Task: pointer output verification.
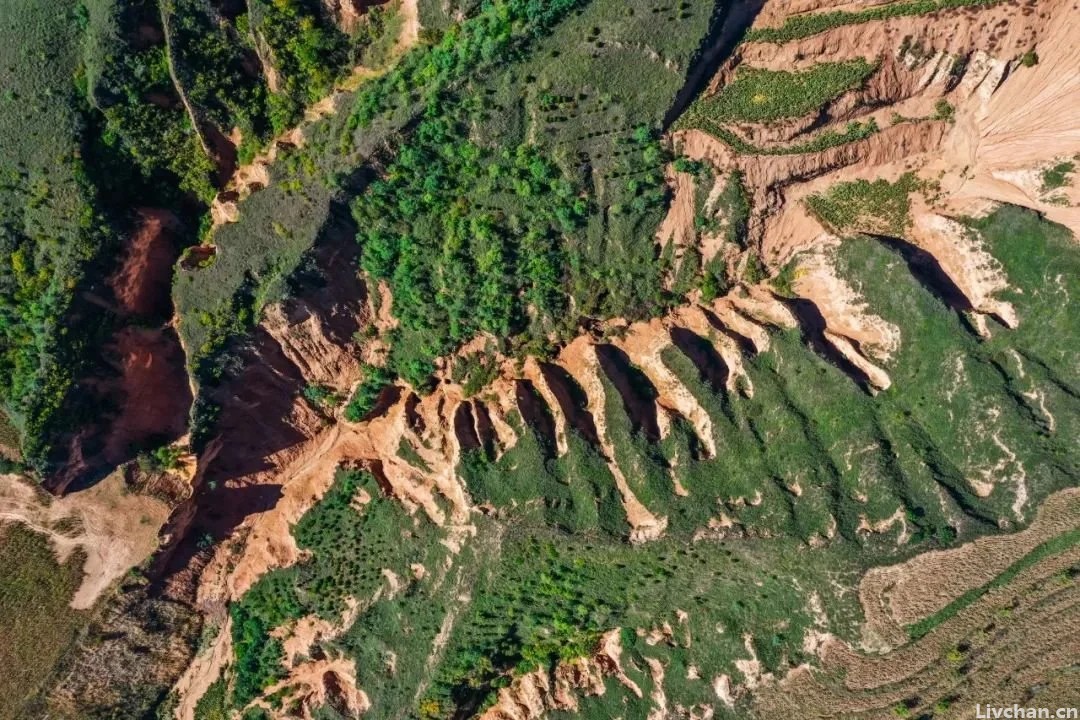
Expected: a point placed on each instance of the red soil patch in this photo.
(153, 387)
(141, 284)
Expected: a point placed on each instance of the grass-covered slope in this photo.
(764, 539)
(49, 226)
(960, 409)
(447, 159)
(36, 622)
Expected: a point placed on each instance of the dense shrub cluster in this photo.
(456, 264)
(502, 31)
(308, 51)
(51, 225)
(367, 393)
(145, 118)
(1058, 175)
(218, 73)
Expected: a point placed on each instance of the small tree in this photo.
(943, 110)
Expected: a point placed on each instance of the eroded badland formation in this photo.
(855, 254)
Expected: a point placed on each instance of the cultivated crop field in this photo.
(37, 625)
(757, 95)
(1013, 635)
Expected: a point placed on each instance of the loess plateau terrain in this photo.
(520, 359)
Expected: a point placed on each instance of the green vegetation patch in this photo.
(307, 51)
(367, 393)
(550, 597)
(758, 95)
(213, 67)
(459, 268)
(353, 535)
(852, 132)
(144, 121)
(50, 224)
(213, 705)
(1057, 176)
(9, 440)
(807, 24)
(860, 205)
(809, 455)
(36, 623)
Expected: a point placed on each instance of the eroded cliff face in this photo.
(141, 391)
(1008, 122)
(275, 452)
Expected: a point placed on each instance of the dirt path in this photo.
(202, 672)
(410, 28)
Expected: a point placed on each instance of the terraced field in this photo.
(1013, 636)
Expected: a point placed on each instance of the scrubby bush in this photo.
(367, 393)
(943, 110)
(321, 396)
(1057, 176)
(160, 459)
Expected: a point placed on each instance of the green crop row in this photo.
(807, 24)
(861, 205)
(1050, 548)
(854, 132)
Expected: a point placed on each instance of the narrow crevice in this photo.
(465, 428)
(927, 271)
(536, 414)
(812, 325)
(637, 393)
(572, 400)
(743, 343)
(485, 428)
(700, 352)
(1051, 375)
(413, 419)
